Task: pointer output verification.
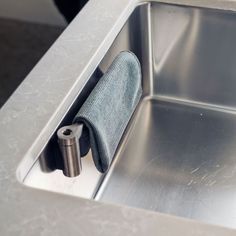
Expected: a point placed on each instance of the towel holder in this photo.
(68, 139)
(105, 114)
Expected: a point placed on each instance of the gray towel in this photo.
(108, 109)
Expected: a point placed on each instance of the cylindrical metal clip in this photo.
(68, 138)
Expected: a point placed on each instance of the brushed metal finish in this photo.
(177, 159)
(179, 156)
(195, 58)
(68, 140)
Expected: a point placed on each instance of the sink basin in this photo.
(178, 153)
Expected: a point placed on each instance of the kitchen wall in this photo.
(39, 11)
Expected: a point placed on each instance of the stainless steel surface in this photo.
(178, 154)
(68, 140)
(177, 159)
(180, 157)
(46, 96)
(195, 59)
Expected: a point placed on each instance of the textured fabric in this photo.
(108, 109)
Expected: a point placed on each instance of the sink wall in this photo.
(194, 56)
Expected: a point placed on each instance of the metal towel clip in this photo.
(68, 139)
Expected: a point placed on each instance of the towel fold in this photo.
(108, 109)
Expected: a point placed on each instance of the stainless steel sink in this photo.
(178, 154)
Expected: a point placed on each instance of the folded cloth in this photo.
(108, 109)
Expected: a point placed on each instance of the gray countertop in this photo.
(33, 113)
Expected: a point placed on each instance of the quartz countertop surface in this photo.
(36, 108)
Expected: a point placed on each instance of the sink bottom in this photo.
(178, 159)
